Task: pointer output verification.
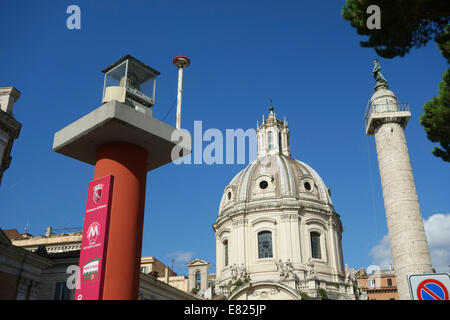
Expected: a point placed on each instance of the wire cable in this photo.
(170, 109)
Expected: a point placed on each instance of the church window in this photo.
(315, 245)
(307, 185)
(270, 140)
(263, 184)
(265, 245)
(225, 249)
(279, 142)
(229, 195)
(197, 280)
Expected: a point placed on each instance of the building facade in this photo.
(20, 271)
(379, 285)
(43, 268)
(9, 126)
(278, 235)
(158, 270)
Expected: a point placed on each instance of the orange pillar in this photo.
(127, 163)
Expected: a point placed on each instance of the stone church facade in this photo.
(278, 235)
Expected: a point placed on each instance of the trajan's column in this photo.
(386, 118)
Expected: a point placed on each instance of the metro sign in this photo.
(95, 239)
(93, 232)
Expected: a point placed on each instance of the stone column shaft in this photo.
(409, 246)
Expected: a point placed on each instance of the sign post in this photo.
(95, 239)
(431, 286)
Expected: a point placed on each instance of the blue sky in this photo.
(302, 54)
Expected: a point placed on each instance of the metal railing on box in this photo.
(384, 107)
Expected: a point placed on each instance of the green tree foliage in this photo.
(322, 293)
(194, 291)
(436, 119)
(443, 42)
(304, 295)
(407, 24)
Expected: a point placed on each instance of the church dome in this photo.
(274, 178)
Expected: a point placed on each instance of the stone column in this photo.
(295, 237)
(219, 254)
(239, 230)
(386, 118)
(409, 246)
(332, 245)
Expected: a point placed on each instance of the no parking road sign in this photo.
(431, 286)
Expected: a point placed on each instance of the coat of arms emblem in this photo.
(97, 195)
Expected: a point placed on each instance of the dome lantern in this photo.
(273, 135)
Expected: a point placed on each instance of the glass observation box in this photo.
(130, 81)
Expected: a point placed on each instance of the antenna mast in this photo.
(180, 62)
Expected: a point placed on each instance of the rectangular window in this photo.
(389, 282)
(265, 245)
(62, 292)
(315, 245)
(371, 283)
(270, 140)
(198, 280)
(144, 269)
(280, 147)
(225, 248)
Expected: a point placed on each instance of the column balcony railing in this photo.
(387, 106)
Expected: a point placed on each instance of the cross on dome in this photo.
(271, 108)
